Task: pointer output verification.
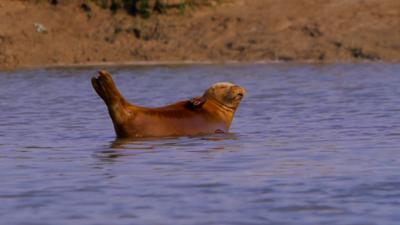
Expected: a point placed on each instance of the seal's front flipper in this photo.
(195, 102)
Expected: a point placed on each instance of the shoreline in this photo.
(190, 63)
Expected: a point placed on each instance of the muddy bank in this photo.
(35, 33)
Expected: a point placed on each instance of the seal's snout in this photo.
(239, 91)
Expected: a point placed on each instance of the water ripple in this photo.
(310, 144)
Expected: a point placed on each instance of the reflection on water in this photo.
(310, 144)
(141, 143)
(135, 146)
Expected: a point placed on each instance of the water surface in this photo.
(310, 144)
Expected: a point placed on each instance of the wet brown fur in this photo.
(200, 115)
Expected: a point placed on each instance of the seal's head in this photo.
(226, 94)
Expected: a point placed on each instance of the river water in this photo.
(310, 144)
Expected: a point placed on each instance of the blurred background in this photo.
(71, 32)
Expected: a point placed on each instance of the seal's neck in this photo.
(222, 111)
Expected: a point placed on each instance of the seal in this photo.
(212, 112)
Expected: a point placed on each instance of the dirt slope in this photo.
(38, 34)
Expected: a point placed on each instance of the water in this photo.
(310, 144)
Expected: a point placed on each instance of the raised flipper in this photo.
(120, 110)
(105, 87)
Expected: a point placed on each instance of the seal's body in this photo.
(211, 113)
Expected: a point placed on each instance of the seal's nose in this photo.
(240, 90)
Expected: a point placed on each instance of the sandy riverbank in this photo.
(35, 34)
